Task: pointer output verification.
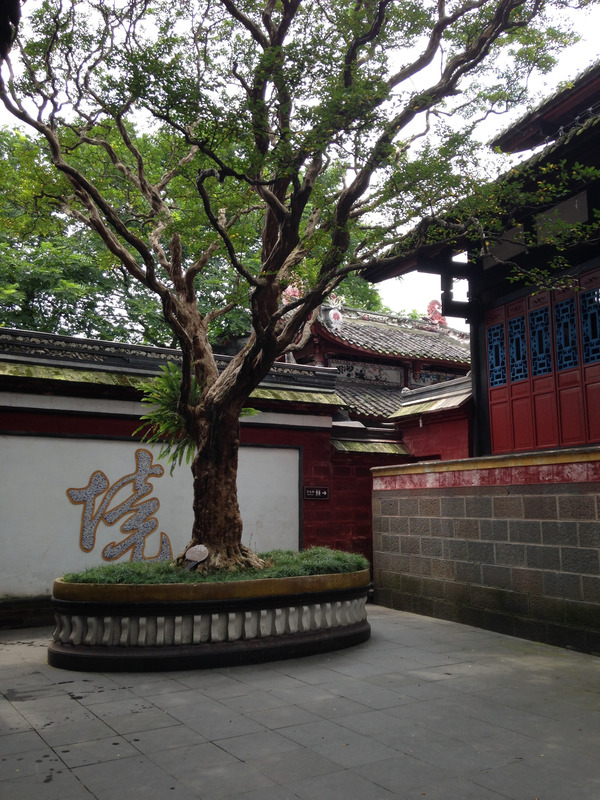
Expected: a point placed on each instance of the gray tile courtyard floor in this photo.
(426, 710)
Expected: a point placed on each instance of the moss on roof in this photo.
(390, 448)
(292, 396)
(70, 375)
(416, 408)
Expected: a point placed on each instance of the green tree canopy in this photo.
(57, 276)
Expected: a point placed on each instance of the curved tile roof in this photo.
(386, 335)
(373, 401)
(389, 403)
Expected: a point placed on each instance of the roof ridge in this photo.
(421, 324)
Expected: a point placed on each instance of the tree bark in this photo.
(217, 518)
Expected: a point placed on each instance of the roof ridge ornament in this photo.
(334, 317)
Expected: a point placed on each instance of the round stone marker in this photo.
(197, 553)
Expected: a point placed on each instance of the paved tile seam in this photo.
(427, 708)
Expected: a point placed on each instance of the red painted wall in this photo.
(445, 436)
(60, 424)
(344, 520)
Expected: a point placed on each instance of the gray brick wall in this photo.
(522, 560)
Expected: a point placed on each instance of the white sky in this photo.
(417, 289)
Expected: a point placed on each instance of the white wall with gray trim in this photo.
(40, 527)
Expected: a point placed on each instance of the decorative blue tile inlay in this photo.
(590, 325)
(565, 323)
(517, 349)
(540, 341)
(496, 355)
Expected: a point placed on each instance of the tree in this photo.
(297, 137)
(56, 275)
(10, 14)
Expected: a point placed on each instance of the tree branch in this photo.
(253, 29)
(361, 41)
(219, 228)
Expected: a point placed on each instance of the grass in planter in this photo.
(281, 564)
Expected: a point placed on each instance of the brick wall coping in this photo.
(574, 465)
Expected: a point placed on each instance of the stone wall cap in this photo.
(536, 458)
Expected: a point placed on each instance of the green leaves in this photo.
(328, 129)
(56, 275)
(163, 423)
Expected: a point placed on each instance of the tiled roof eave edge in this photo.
(78, 374)
(57, 351)
(425, 409)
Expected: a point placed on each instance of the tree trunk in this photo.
(217, 519)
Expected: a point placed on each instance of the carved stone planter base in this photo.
(206, 656)
(183, 626)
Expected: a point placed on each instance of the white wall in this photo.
(40, 527)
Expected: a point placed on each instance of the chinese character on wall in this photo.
(137, 513)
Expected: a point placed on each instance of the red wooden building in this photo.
(508, 538)
(535, 355)
(380, 357)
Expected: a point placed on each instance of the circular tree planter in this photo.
(101, 627)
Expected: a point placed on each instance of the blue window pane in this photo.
(517, 349)
(590, 325)
(496, 355)
(540, 341)
(565, 324)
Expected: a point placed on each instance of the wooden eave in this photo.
(578, 144)
(432, 258)
(558, 111)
